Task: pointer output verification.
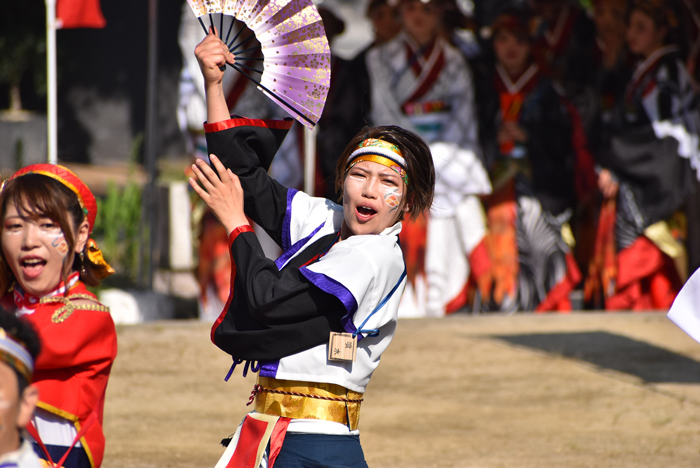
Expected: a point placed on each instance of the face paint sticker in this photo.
(60, 244)
(393, 199)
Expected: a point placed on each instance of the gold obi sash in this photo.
(308, 400)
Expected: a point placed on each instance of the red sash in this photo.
(253, 437)
(433, 54)
(31, 428)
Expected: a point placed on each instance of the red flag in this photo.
(79, 14)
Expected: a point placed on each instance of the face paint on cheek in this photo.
(393, 199)
(60, 245)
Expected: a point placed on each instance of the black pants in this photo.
(321, 451)
(77, 458)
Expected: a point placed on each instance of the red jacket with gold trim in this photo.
(74, 365)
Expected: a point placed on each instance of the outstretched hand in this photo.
(223, 196)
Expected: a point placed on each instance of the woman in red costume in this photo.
(647, 171)
(47, 259)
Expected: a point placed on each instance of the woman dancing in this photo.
(315, 322)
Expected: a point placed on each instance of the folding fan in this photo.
(296, 57)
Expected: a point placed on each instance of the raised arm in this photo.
(244, 147)
(211, 54)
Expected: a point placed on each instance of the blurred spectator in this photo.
(486, 11)
(639, 259)
(610, 18)
(348, 104)
(461, 29)
(565, 42)
(690, 18)
(385, 21)
(526, 132)
(614, 63)
(422, 83)
(691, 15)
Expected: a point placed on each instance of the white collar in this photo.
(651, 60)
(522, 81)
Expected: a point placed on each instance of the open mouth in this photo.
(366, 212)
(32, 266)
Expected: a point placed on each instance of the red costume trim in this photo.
(277, 439)
(646, 278)
(231, 237)
(430, 79)
(480, 265)
(602, 268)
(252, 432)
(238, 231)
(413, 244)
(413, 56)
(479, 259)
(639, 277)
(242, 122)
(585, 179)
(557, 299)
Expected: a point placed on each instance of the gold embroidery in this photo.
(308, 400)
(62, 313)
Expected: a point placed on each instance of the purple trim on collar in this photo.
(331, 286)
(287, 223)
(269, 369)
(295, 248)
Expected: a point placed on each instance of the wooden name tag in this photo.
(342, 347)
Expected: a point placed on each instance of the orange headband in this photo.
(381, 152)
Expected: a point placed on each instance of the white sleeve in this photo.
(685, 311)
(305, 214)
(386, 110)
(462, 126)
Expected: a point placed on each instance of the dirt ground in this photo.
(579, 390)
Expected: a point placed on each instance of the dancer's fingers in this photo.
(199, 190)
(205, 175)
(235, 181)
(219, 168)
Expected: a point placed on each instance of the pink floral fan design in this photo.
(296, 69)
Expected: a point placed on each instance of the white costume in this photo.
(429, 91)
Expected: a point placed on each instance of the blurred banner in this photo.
(79, 14)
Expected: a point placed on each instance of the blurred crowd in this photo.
(565, 140)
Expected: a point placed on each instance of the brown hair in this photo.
(40, 196)
(664, 15)
(419, 162)
(513, 20)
